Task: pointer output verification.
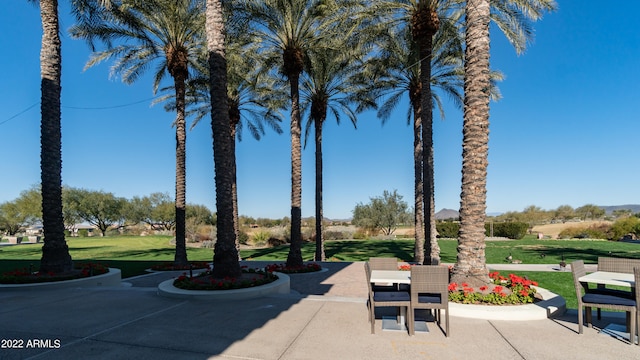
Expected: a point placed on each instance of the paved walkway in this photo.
(325, 317)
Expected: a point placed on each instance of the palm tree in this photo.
(254, 99)
(168, 31)
(423, 19)
(396, 70)
(328, 86)
(225, 258)
(510, 16)
(55, 252)
(288, 29)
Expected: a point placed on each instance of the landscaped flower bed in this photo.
(170, 266)
(283, 268)
(206, 281)
(28, 276)
(512, 290)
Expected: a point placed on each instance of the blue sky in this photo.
(565, 131)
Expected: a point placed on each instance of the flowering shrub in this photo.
(169, 266)
(405, 267)
(28, 276)
(283, 268)
(503, 290)
(206, 281)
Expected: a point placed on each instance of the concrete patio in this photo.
(324, 317)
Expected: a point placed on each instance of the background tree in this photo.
(98, 208)
(167, 31)
(564, 213)
(12, 219)
(225, 256)
(383, 213)
(589, 211)
(156, 210)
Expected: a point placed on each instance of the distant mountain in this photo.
(610, 209)
(446, 214)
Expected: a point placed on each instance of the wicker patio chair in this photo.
(385, 298)
(385, 263)
(604, 301)
(430, 290)
(621, 265)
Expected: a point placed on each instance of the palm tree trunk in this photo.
(319, 216)
(180, 257)
(236, 221)
(55, 252)
(225, 258)
(294, 259)
(471, 261)
(432, 249)
(418, 249)
(425, 23)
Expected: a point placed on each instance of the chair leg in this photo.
(588, 316)
(637, 332)
(411, 324)
(632, 327)
(372, 319)
(446, 314)
(599, 314)
(580, 319)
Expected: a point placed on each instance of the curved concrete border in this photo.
(280, 286)
(323, 269)
(112, 278)
(551, 305)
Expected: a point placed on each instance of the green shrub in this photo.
(622, 227)
(260, 238)
(447, 229)
(273, 241)
(243, 237)
(83, 233)
(334, 235)
(359, 235)
(512, 230)
(596, 231)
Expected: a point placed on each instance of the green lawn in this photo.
(133, 254)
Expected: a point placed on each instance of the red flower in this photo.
(453, 287)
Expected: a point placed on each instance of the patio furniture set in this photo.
(421, 287)
(621, 273)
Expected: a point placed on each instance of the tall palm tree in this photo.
(55, 252)
(167, 31)
(254, 99)
(328, 86)
(423, 19)
(510, 16)
(397, 70)
(288, 29)
(225, 258)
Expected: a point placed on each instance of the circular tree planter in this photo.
(552, 305)
(112, 278)
(280, 286)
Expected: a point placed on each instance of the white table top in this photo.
(391, 276)
(609, 278)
